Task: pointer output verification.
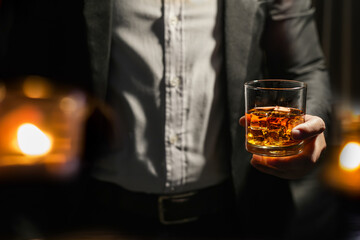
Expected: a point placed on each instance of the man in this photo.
(171, 76)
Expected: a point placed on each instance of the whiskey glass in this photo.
(273, 108)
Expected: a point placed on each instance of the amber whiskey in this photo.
(269, 128)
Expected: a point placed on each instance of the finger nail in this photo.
(296, 134)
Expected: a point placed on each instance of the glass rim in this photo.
(249, 84)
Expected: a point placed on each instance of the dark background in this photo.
(338, 23)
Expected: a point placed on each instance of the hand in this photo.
(297, 166)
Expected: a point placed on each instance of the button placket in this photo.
(174, 94)
(173, 139)
(173, 19)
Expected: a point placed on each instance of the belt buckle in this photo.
(162, 210)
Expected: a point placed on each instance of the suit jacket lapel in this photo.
(238, 27)
(98, 19)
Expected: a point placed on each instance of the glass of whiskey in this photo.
(273, 108)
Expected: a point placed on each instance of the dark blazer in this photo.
(263, 39)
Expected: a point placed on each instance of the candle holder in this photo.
(41, 129)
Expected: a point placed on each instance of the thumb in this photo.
(312, 126)
(242, 121)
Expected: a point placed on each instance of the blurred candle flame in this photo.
(36, 87)
(350, 157)
(32, 141)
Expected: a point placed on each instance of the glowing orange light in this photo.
(32, 141)
(2, 92)
(350, 157)
(36, 87)
(68, 104)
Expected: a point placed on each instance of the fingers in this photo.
(292, 167)
(279, 167)
(284, 167)
(312, 126)
(242, 121)
(269, 170)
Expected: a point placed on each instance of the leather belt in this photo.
(177, 208)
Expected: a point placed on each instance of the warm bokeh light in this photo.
(350, 157)
(36, 87)
(42, 128)
(68, 104)
(2, 92)
(32, 141)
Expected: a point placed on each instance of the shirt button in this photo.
(174, 82)
(173, 139)
(173, 20)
